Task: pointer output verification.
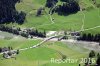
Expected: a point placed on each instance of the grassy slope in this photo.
(41, 55)
(73, 22)
(28, 56)
(17, 43)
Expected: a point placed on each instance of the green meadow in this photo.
(70, 22)
(40, 56)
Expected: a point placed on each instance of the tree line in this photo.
(93, 59)
(90, 37)
(89, 60)
(8, 12)
(28, 33)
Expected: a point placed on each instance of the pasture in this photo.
(82, 20)
(41, 55)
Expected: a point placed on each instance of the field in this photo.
(40, 56)
(90, 17)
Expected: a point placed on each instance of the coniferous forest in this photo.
(8, 12)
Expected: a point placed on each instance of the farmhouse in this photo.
(10, 54)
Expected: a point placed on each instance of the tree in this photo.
(39, 11)
(0, 49)
(89, 37)
(19, 18)
(8, 12)
(17, 52)
(98, 61)
(64, 57)
(98, 55)
(79, 65)
(51, 3)
(84, 36)
(92, 54)
(44, 33)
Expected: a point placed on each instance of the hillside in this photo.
(90, 16)
(46, 33)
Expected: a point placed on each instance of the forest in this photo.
(8, 12)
